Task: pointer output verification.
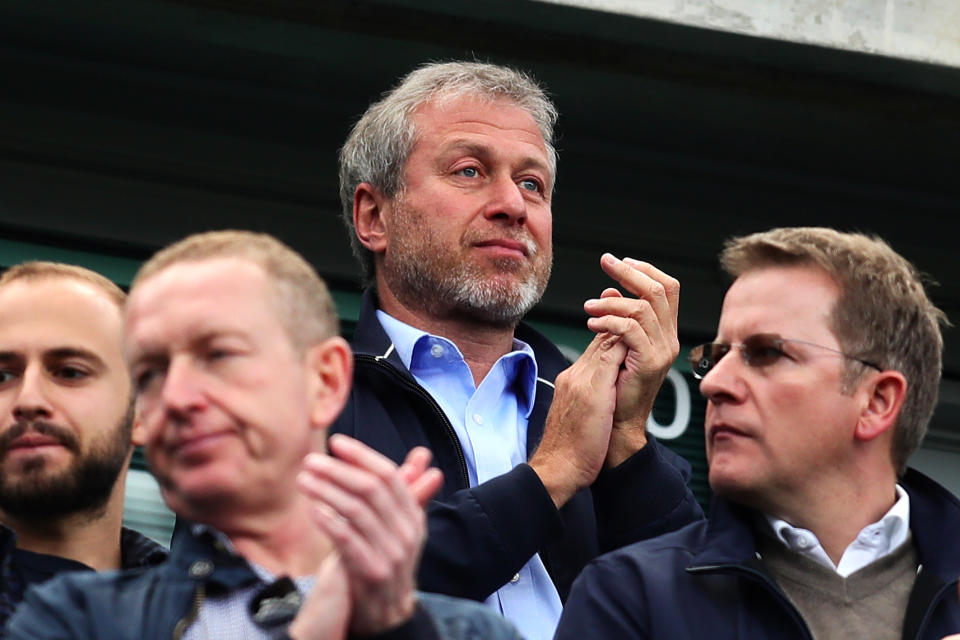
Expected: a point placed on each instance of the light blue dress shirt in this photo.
(491, 423)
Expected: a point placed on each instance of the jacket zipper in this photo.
(760, 577)
(421, 392)
(184, 623)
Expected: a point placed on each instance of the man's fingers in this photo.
(356, 553)
(375, 533)
(416, 462)
(645, 281)
(327, 609)
(671, 286)
(360, 455)
(641, 312)
(374, 504)
(601, 344)
(426, 486)
(640, 332)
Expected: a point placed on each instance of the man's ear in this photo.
(330, 367)
(884, 394)
(368, 206)
(138, 434)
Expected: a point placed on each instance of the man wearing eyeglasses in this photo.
(819, 386)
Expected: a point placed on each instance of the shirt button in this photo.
(201, 569)
(436, 351)
(804, 543)
(515, 579)
(478, 418)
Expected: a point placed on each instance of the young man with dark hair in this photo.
(66, 414)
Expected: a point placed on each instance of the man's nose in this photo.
(723, 381)
(506, 201)
(182, 390)
(32, 399)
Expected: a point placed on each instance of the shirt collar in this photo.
(884, 535)
(199, 529)
(410, 343)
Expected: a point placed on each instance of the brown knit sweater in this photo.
(869, 603)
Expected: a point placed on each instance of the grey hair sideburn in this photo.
(379, 144)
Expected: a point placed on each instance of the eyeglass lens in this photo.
(758, 350)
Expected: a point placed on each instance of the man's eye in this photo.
(219, 354)
(72, 373)
(531, 185)
(143, 379)
(7, 376)
(760, 356)
(469, 172)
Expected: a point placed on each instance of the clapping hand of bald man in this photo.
(373, 512)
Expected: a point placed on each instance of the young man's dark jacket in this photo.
(135, 551)
(706, 581)
(480, 537)
(162, 602)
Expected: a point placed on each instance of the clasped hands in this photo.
(601, 403)
(373, 513)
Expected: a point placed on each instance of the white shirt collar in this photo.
(872, 543)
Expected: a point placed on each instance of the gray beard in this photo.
(423, 274)
(463, 290)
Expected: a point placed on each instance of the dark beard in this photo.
(83, 487)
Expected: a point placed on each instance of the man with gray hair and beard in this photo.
(65, 427)
(446, 186)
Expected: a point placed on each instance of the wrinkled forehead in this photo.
(444, 110)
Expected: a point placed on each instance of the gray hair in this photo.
(378, 146)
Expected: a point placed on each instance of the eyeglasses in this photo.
(759, 350)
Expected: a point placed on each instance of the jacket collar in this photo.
(202, 557)
(370, 339)
(729, 537)
(934, 526)
(136, 550)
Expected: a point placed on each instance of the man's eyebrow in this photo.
(157, 352)
(143, 357)
(481, 150)
(467, 146)
(10, 356)
(62, 353)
